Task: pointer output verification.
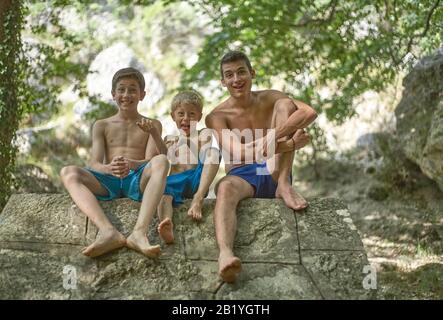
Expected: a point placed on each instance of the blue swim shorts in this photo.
(184, 184)
(262, 183)
(127, 187)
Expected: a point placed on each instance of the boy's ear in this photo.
(253, 74)
(142, 95)
(113, 94)
(223, 82)
(172, 115)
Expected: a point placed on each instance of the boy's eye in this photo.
(180, 114)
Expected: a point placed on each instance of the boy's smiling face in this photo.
(127, 94)
(237, 78)
(184, 114)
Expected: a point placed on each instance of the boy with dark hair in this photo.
(125, 162)
(270, 111)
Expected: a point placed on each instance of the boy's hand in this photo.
(146, 125)
(299, 139)
(120, 166)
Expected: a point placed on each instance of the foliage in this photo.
(348, 46)
(327, 52)
(47, 57)
(32, 73)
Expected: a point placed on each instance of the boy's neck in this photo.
(128, 115)
(244, 102)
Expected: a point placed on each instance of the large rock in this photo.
(312, 255)
(420, 116)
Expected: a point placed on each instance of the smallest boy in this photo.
(196, 162)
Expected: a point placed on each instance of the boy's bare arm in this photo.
(155, 145)
(235, 145)
(209, 171)
(151, 149)
(98, 148)
(303, 116)
(210, 165)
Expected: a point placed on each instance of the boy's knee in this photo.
(226, 189)
(160, 163)
(69, 172)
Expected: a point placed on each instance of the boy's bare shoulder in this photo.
(270, 94)
(152, 119)
(101, 123)
(220, 109)
(156, 122)
(218, 113)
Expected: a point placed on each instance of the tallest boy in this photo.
(246, 109)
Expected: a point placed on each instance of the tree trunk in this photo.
(11, 22)
(5, 5)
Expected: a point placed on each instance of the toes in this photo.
(153, 251)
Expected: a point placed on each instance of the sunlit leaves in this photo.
(354, 45)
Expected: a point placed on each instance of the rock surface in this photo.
(420, 116)
(316, 254)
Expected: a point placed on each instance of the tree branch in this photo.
(332, 6)
(427, 25)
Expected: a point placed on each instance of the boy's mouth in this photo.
(238, 86)
(185, 127)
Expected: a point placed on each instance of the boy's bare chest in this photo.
(253, 120)
(121, 134)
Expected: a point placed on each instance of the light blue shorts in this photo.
(127, 187)
(184, 184)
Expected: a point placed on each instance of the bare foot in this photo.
(291, 198)
(107, 240)
(139, 242)
(166, 230)
(229, 268)
(195, 211)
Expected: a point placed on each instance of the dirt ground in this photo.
(399, 217)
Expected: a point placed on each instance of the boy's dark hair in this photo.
(233, 56)
(129, 73)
